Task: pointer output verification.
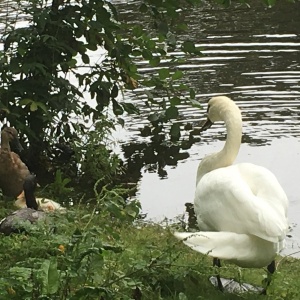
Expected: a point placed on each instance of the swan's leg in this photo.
(216, 262)
(271, 270)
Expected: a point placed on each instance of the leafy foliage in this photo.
(105, 252)
(65, 39)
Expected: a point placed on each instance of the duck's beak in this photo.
(15, 144)
(206, 125)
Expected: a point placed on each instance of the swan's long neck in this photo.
(227, 155)
(5, 141)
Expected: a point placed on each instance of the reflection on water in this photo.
(252, 55)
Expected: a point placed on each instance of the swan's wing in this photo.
(241, 249)
(225, 201)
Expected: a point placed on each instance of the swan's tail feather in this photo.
(241, 249)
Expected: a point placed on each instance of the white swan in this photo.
(44, 204)
(241, 209)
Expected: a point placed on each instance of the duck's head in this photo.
(10, 134)
(30, 184)
(218, 109)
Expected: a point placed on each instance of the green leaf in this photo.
(188, 47)
(147, 54)
(163, 73)
(195, 103)
(33, 106)
(172, 112)
(114, 91)
(136, 52)
(42, 106)
(53, 276)
(117, 108)
(192, 93)
(48, 276)
(130, 108)
(137, 31)
(143, 8)
(175, 131)
(163, 28)
(85, 58)
(153, 117)
(154, 61)
(177, 75)
(175, 101)
(25, 101)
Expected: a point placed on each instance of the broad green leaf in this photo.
(114, 91)
(42, 106)
(188, 47)
(177, 75)
(172, 112)
(137, 30)
(163, 73)
(136, 53)
(150, 44)
(25, 101)
(175, 101)
(48, 276)
(130, 108)
(153, 117)
(175, 131)
(85, 58)
(154, 61)
(117, 108)
(53, 276)
(33, 106)
(147, 54)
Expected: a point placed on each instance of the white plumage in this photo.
(241, 209)
(44, 204)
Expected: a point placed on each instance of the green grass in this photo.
(89, 254)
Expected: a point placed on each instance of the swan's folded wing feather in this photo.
(241, 249)
(225, 202)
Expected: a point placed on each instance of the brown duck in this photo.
(12, 170)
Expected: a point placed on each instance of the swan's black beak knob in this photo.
(206, 125)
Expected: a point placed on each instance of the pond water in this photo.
(252, 55)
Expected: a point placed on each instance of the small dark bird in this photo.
(14, 223)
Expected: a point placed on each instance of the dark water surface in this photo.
(253, 56)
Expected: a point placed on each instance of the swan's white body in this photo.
(241, 209)
(44, 204)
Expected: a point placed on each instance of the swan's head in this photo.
(220, 108)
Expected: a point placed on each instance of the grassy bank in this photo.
(102, 253)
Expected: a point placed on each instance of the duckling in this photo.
(12, 170)
(13, 222)
(44, 204)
